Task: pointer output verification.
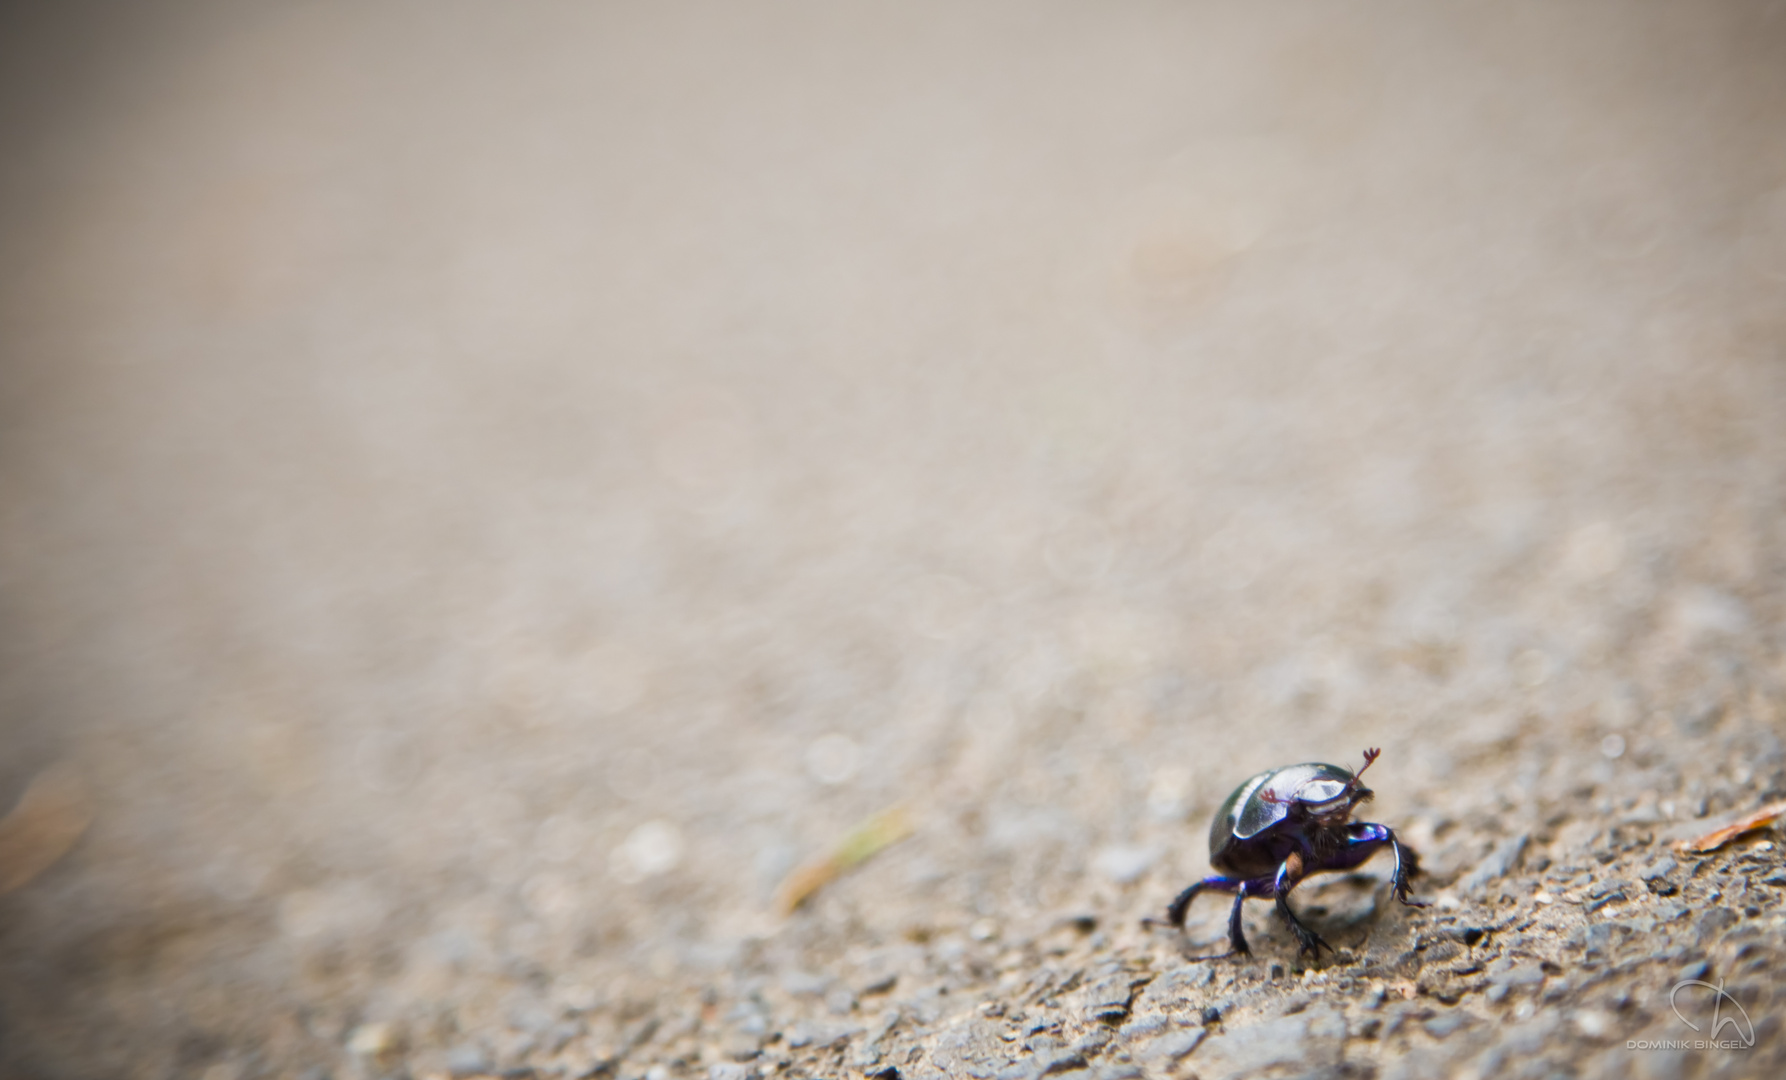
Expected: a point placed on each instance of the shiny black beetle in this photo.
(1283, 825)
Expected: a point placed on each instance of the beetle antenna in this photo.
(1369, 756)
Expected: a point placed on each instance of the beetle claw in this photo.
(1310, 942)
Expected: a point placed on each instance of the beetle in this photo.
(1283, 825)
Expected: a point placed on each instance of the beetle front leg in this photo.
(1288, 875)
(1363, 840)
(1407, 863)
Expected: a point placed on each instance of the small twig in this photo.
(1717, 838)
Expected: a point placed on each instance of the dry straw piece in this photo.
(51, 815)
(863, 842)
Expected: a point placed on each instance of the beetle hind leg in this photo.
(1242, 888)
(1175, 910)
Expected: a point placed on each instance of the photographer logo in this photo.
(1729, 1025)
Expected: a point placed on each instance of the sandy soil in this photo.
(489, 491)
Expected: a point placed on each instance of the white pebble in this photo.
(372, 1040)
(1124, 864)
(833, 759)
(652, 849)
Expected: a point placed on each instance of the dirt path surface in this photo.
(490, 493)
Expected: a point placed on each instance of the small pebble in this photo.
(1617, 896)
(804, 983)
(372, 1040)
(1144, 1028)
(1498, 864)
(467, 1059)
(1174, 1046)
(650, 850)
(1123, 865)
(833, 759)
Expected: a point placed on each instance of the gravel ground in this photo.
(489, 493)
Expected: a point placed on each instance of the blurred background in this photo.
(488, 490)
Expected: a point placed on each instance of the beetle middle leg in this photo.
(1288, 876)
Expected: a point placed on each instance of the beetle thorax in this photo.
(1313, 792)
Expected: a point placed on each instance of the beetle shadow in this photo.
(1343, 909)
